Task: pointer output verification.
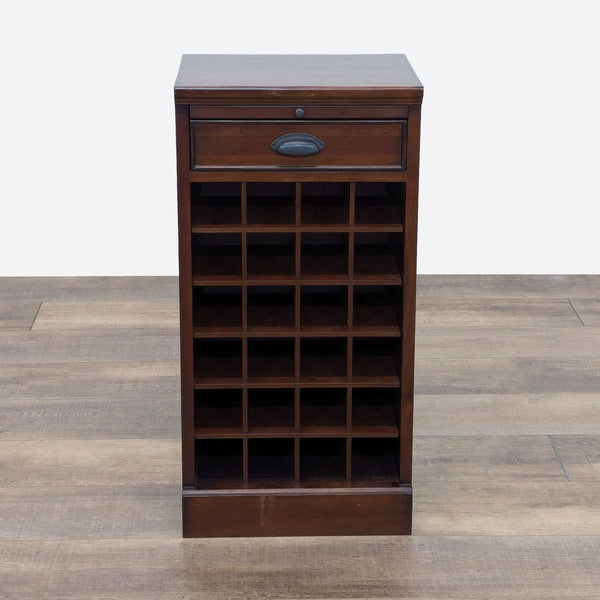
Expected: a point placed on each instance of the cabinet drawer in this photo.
(228, 144)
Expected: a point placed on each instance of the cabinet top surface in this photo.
(389, 75)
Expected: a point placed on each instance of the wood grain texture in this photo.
(446, 507)
(507, 375)
(36, 289)
(246, 144)
(505, 286)
(485, 458)
(17, 315)
(460, 341)
(507, 414)
(258, 77)
(64, 316)
(408, 568)
(38, 419)
(74, 462)
(580, 455)
(96, 434)
(497, 312)
(89, 380)
(90, 345)
(90, 512)
(588, 309)
(97, 289)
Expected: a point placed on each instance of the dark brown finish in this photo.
(297, 295)
(275, 514)
(245, 144)
(252, 78)
(309, 111)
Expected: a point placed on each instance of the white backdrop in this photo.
(511, 125)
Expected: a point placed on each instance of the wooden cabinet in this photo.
(297, 187)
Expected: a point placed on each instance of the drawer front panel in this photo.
(247, 144)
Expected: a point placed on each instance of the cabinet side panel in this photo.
(409, 295)
(185, 294)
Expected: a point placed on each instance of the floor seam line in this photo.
(575, 311)
(558, 458)
(37, 312)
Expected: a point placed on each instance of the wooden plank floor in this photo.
(506, 469)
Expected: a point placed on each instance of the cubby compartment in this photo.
(323, 409)
(378, 203)
(271, 203)
(378, 255)
(376, 359)
(377, 307)
(271, 256)
(376, 411)
(217, 256)
(216, 205)
(271, 410)
(324, 255)
(218, 360)
(374, 460)
(219, 463)
(270, 359)
(324, 204)
(218, 411)
(322, 460)
(323, 359)
(270, 307)
(217, 309)
(323, 307)
(271, 459)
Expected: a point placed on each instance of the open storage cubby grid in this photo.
(297, 307)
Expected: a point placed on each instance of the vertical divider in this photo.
(296, 459)
(350, 306)
(349, 409)
(351, 255)
(297, 299)
(245, 410)
(349, 351)
(245, 460)
(244, 256)
(297, 409)
(298, 266)
(244, 306)
(298, 235)
(298, 204)
(245, 359)
(297, 358)
(244, 203)
(298, 255)
(349, 458)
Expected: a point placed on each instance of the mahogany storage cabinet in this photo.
(297, 187)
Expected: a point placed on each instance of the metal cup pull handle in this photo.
(297, 144)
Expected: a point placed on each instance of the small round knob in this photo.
(299, 112)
